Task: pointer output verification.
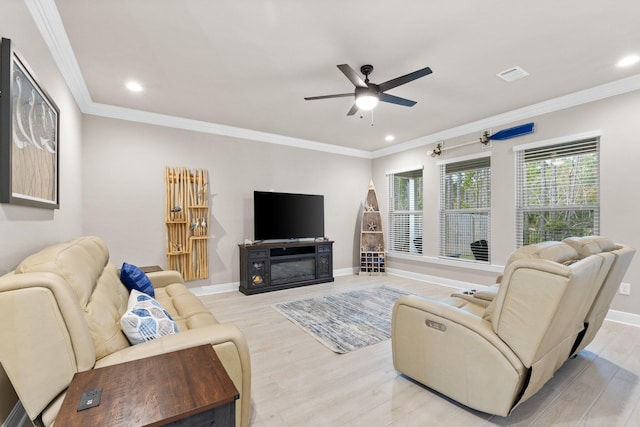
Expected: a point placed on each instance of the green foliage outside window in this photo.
(408, 191)
(405, 213)
(560, 196)
(465, 204)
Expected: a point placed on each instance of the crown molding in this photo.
(157, 119)
(48, 21)
(585, 96)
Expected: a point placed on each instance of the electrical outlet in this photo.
(625, 289)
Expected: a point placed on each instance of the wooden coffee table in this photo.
(184, 388)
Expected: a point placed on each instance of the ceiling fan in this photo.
(368, 94)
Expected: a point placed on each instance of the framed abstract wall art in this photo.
(29, 128)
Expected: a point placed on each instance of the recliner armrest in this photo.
(481, 297)
(160, 279)
(457, 316)
(45, 339)
(487, 294)
(213, 334)
(456, 353)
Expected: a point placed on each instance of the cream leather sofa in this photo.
(60, 310)
(495, 350)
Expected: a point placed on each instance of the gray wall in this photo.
(111, 181)
(124, 192)
(616, 117)
(24, 230)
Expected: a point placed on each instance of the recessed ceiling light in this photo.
(134, 86)
(628, 60)
(389, 138)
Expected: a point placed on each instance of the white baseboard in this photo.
(437, 280)
(612, 315)
(215, 289)
(346, 271)
(623, 317)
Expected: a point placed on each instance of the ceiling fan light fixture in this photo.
(367, 95)
(367, 102)
(366, 98)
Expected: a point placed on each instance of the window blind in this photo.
(465, 206)
(557, 191)
(405, 211)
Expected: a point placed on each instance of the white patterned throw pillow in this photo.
(145, 319)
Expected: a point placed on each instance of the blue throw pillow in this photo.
(134, 278)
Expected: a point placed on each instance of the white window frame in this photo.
(465, 251)
(414, 230)
(586, 139)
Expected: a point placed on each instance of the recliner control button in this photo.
(435, 325)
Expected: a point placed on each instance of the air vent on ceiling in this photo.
(512, 74)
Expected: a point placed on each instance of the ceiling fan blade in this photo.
(352, 75)
(339, 95)
(513, 132)
(390, 84)
(353, 110)
(385, 97)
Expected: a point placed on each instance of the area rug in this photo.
(347, 321)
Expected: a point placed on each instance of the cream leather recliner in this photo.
(622, 256)
(616, 260)
(61, 308)
(493, 357)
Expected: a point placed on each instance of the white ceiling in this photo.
(249, 63)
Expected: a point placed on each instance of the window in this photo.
(405, 211)
(465, 205)
(558, 191)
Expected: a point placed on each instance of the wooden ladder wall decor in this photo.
(187, 216)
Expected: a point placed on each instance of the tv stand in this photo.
(266, 267)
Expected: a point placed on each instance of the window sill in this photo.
(459, 263)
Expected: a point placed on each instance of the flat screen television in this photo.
(284, 216)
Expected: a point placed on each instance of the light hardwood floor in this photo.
(299, 382)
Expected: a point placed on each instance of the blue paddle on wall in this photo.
(508, 133)
(486, 137)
